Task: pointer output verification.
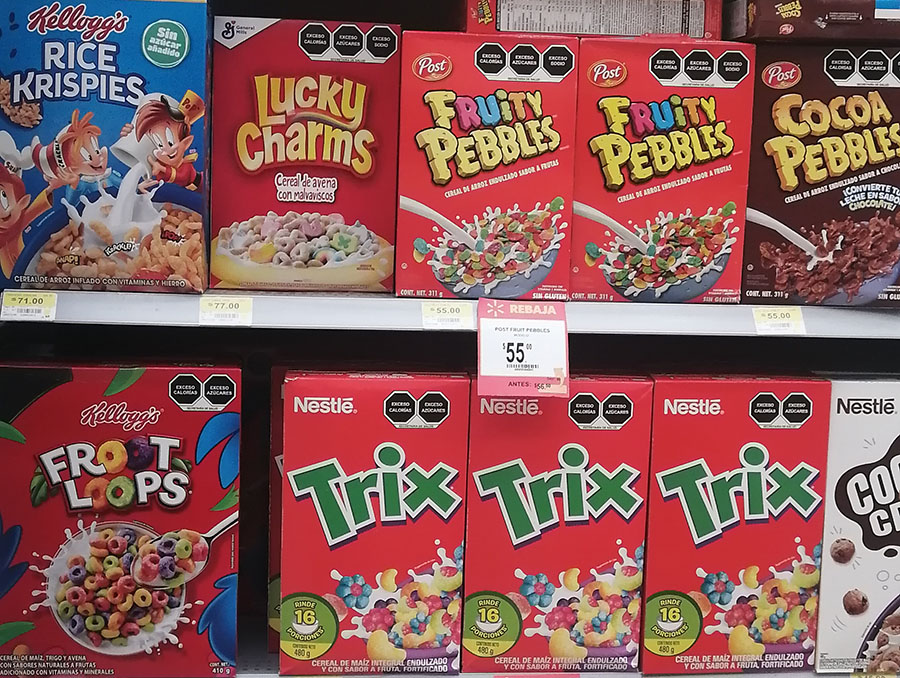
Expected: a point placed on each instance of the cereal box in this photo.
(276, 468)
(661, 170)
(859, 618)
(374, 468)
(737, 475)
(555, 529)
(103, 145)
(486, 147)
(119, 521)
(823, 220)
(305, 154)
(836, 21)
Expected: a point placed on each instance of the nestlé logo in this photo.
(432, 66)
(607, 73)
(866, 406)
(527, 406)
(781, 75)
(323, 405)
(692, 406)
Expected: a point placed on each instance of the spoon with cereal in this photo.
(454, 231)
(177, 557)
(789, 234)
(599, 217)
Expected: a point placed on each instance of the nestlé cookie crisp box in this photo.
(555, 529)
(375, 467)
(487, 135)
(661, 170)
(823, 224)
(304, 154)
(737, 478)
(119, 520)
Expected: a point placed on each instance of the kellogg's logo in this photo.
(607, 73)
(73, 18)
(781, 75)
(432, 66)
(118, 413)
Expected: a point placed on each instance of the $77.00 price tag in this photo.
(779, 320)
(226, 310)
(28, 305)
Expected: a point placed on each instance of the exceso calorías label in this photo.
(485, 179)
(661, 170)
(119, 523)
(375, 465)
(305, 154)
(555, 529)
(859, 619)
(103, 145)
(735, 524)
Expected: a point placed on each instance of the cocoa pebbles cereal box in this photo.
(119, 521)
(103, 145)
(304, 154)
(555, 529)
(737, 476)
(661, 162)
(487, 134)
(375, 583)
(824, 226)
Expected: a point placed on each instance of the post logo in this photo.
(432, 66)
(781, 75)
(607, 73)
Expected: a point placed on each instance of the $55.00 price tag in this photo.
(26, 305)
(523, 348)
(447, 315)
(779, 320)
(225, 310)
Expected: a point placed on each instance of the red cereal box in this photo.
(374, 468)
(737, 475)
(304, 154)
(118, 523)
(661, 170)
(555, 529)
(486, 144)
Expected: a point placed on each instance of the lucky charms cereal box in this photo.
(103, 145)
(373, 518)
(737, 476)
(487, 133)
(304, 154)
(119, 521)
(555, 529)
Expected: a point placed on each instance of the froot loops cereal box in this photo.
(737, 480)
(103, 168)
(661, 164)
(487, 134)
(374, 472)
(119, 520)
(555, 529)
(304, 154)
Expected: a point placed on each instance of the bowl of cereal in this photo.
(881, 646)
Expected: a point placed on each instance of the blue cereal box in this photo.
(103, 145)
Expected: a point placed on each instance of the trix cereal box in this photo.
(305, 154)
(661, 160)
(375, 583)
(119, 521)
(486, 142)
(859, 620)
(824, 226)
(836, 21)
(735, 522)
(555, 529)
(103, 145)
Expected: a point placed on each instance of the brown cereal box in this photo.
(821, 20)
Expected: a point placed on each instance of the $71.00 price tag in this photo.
(225, 310)
(779, 320)
(28, 305)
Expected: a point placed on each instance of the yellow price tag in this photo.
(779, 320)
(448, 315)
(226, 310)
(28, 305)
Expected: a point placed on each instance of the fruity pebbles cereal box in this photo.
(119, 521)
(859, 619)
(103, 145)
(374, 584)
(486, 146)
(555, 529)
(304, 154)
(737, 475)
(661, 170)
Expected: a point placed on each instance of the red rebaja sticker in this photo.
(432, 66)
(607, 73)
(781, 75)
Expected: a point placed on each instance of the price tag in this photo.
(226, 310)
(779, 320)
(447, 315)
(523, 348)
(27, 305)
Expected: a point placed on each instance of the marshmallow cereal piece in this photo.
(380, 648)
(563, 647)
(388, 580)
(750, 577)
(702, 601)
(570, 579)
(740, 643)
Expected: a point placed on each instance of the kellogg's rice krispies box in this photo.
(119, 520)
(304, 154)
(374, 468)
(734, 532)
(823, 219)
(555, 529)
(661, 170)
(103, 145)
(487, 134)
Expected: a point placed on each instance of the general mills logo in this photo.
(781, 75)
(527, 406)
(693, 406)
(228, 30)
(432, 66)
(866, 406)
(607, 73)
(324, 405)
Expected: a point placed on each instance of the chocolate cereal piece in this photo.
(855, 602)
(842, 550)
